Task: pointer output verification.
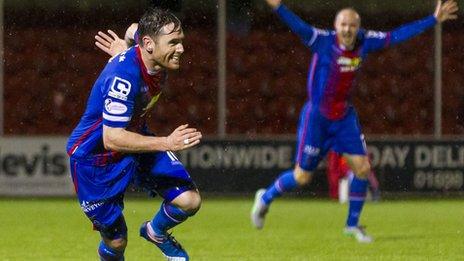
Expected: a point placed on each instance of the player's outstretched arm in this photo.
(443, 12)
(110, 43)
(122, 140)
(446, 11)
(296, 24)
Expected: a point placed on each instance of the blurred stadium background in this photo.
(242, 83)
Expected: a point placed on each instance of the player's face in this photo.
(168, 48)
(347, 25)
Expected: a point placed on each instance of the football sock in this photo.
(107, 253)
(284, 183)
(358, 189)
(167, 217)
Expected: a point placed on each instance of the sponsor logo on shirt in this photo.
(89, 206)
(322, 32)
(120, 89)
(348, 64)
(115, 107)
(311, 151)
(376, 34)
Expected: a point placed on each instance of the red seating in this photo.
(266, 80)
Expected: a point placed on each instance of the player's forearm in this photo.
(296, 24)
(410, 30)
(121, 140)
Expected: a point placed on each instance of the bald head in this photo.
(349, 13)
(347, 23)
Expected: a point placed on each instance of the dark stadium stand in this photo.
(266, 81)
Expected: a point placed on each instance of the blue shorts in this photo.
(100, 189)
(317, 134)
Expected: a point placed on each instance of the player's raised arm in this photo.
(446, 11)
(443, 12)
(305, 31)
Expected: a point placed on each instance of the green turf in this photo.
(47, 229)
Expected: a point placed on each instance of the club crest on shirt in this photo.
(348, 64)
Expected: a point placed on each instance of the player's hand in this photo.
(110, 43)
(446, 11)
(274, 3)
(130, 33)
(183, 138)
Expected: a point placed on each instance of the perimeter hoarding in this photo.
(39, 165)
(406, 165)
(34, 166)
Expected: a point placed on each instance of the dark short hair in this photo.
(153, 21)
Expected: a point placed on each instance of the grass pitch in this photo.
(56, 229)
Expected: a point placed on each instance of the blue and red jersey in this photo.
(332, 69)
(121, 97)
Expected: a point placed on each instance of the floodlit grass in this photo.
(56, 229)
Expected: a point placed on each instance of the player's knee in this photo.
(194, 204)
(118, 244)
(115, 235)
(302, 177)
(189, 201)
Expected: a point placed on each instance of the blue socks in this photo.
(284, 183)
(167, 217)
(358, 189)
(108, 254)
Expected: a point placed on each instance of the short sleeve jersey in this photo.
(121, 97)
